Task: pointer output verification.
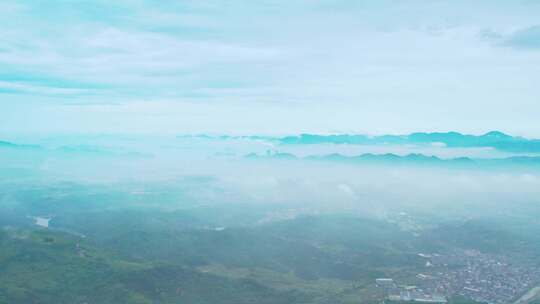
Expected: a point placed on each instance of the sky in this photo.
(269, 67)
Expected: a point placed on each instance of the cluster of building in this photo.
(406, 293)
(477, 276)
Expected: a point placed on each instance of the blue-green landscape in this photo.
(269, 152)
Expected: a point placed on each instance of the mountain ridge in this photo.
(412, 158)
(492, 139)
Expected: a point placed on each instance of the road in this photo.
(530, 295)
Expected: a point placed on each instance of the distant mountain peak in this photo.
(497, 134)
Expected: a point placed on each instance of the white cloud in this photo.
(375, 66)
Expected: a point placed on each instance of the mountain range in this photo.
(493, 139)
(412, 159)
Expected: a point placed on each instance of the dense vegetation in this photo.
(136, 254)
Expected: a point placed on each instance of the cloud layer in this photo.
(269, 66)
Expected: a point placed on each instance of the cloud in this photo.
(528, 38)
(25, 88)
(366, 61)
(490, 35)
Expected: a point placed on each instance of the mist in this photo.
(219, 172)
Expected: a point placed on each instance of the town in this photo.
(477, 276)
